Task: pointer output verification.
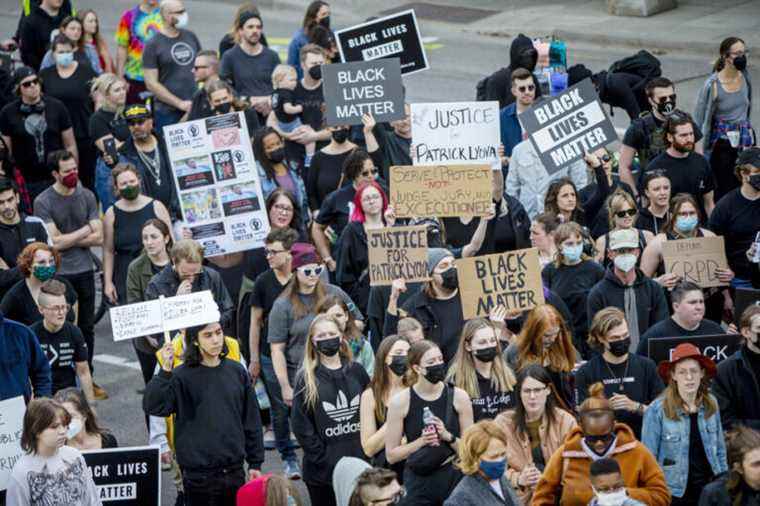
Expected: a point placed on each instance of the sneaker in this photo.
(269, 440)
(292, 470)
(100, 394)
(180, 499)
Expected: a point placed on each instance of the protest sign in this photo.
(456, 133)
(354, 89)
(126, 476)
(217, 183)
(11, 426)
(696, 259)
(396, 35)
(163, 315)
(717, 347)
(397, 252)
(441, 190)
(511, 279)
(564, 127)
(743, 298)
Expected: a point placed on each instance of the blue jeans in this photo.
(279, 411)
(165, 117)
(741, 283)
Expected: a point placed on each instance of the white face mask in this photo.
(75, 427)
(625, 262)
(611, 498)
(182, 20)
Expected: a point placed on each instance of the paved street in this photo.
(459, 57)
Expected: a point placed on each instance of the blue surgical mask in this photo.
(493, 469)
(572, 253)
(686, 223)
(64, 59)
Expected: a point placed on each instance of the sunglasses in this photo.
(33, 82)
(136, 122)
(605, 158)
(523, 89)
(598, 439)
(316, 271)
(628, 212)
(668, 98)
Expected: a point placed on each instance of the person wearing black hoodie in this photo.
(618, 89)
(522, 54)
(35, 29)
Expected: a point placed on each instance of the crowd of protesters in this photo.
(392, 397)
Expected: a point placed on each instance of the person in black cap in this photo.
(32, 126)
(618, 89)
(735, 217)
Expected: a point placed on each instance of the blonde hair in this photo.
(311, 360)
(615, 202)
(604, 321)
(100, 86)
(187, 250)
(562, 233)
(462, 370)
(280, 72)
(407, 324)
(474, 444)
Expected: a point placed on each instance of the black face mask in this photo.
(528, 59)
(340, 136)
(435, 373)
(223, 108)
(450, 279)
(325, 22)
(329, 347)
(740, 62)
(486, 354)
(620, 348)
(666, 108)
(754, 181)
(398, 365)
(316, 72)
(277, 155)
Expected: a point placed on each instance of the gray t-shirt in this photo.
(174, 59)
(284, 328)
(69, 213)
(251, 76)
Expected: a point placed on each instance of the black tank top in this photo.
(127, 226)
(443, 405)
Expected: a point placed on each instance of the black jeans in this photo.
(322, 495)
(84, 285)
(213, 488)
(722, 162)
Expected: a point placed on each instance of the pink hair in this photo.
(358, 214)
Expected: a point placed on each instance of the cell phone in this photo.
(110, 148)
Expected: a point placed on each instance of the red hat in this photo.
(303, 253)
(682, 352)
(253, 493)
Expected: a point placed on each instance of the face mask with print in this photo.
(667, 107)
(43, 272)
(625, 262)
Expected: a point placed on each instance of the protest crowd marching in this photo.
(493, 302)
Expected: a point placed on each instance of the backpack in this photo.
(643, 64)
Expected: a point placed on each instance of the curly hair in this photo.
(26, 257)
(474, 444)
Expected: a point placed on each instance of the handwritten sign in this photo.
(717, 347)
(563, 127)
(442, 190)
(696, 259)
(397, 252)
(11, 426)
(126, 476)
(511, 279)
(456, 133)
(396, 35)
(161, 315)
(354, 89)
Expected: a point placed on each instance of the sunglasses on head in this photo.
(523, 89)
(316, 271)
(627, 212)
(33, 82)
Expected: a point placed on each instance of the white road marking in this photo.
(114, 360)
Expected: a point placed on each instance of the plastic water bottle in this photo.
(427, 419)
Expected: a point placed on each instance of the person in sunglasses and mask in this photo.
(222, 99)
(566, 479)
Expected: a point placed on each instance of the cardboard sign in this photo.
(455, 133)
(397, 252)
(126, 476)
(11, 427)
(717, 347)
(696, 259)
(744, 298)
(564, 127)
(396, 35)
(442, 190)
(354, 89)
(511, 279)
(217, 183)
(163, 314)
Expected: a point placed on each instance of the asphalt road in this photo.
(458, 60)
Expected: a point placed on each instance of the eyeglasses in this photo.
(523, 89)
(58, 309)
(627, 212)
(273, 252)
(394, 499)
(371, 198)
(33, 82)
(533, 392)
(308, 272)
(283, 209)
(667, 98)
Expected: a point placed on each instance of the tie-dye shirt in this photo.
(134, 31)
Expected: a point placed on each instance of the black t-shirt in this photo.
(490, 403)
(324, 176)
(280, 97)
(74, 92)
(669, 328)
(18, 304)
(753, 359)
(63, 349)
(448, 312)
(637, 377)
(737, 219)
(104, 122)
(337, 208)
(645, 135)
(34, 135)
(687, 175)
(312, 101)
(459, 235)
(266, 289)
(700, 470)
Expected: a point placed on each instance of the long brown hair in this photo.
(552, 194)
(97, 37)
(725, 48)
(352, 330)
(40, 414)
(292, 294)
(675, 206)
(538, 373)
(672, 402)
(530, 344)
(381, 380)
(414, 357)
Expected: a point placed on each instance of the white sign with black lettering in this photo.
(11, 426)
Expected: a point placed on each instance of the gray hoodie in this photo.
(345, 475)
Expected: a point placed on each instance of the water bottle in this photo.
(427, 419)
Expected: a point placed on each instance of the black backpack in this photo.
(643, 64)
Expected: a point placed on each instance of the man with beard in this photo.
(17, 230)
(688, 171)
(248, 66)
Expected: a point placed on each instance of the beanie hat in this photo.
(303, 253)
(435, 255)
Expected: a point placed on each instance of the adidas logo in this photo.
(342, 410)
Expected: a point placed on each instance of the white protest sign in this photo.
(11, 426)
(163, 315)
(456, 133)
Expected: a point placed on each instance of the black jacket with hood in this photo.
(738, 392)
(499, 85)
(13, 239)
(34, 34)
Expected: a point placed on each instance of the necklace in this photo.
(152, 163)
(621, 387)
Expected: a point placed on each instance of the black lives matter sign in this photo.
(396, 35)
(126, 476)
(354, 89)
(564, 127)
(716, 347)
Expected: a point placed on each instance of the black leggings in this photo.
(322, 495)
(722, 162)
(433, 489)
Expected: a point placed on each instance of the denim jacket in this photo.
(669, 439)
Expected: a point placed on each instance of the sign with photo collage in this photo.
(217, 183)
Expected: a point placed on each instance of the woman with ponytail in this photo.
(740, 486)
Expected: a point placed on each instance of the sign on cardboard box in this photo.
(511, 280)
(696, 259)
(397, 252)
(440, 190)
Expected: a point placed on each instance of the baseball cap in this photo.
(626, 238)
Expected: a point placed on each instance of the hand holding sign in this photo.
(701, 260)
